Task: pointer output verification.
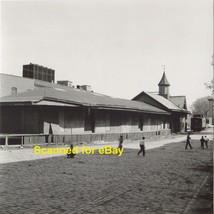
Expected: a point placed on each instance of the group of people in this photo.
(142, 145)
(204, 141)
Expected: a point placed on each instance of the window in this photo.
(13, 90)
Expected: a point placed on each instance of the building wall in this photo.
(9, 81)
(22, 84)
(49, 118)
(77, 121)
(20, 120)
(11, 122)
(67, 120)
(157, 122)
(178, 122)
(124, 121)
(63, 120)
(31, 120)
(102, 121)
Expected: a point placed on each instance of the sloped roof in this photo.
(164, 80)
(179, 101)
(161, 100)
(79, 98)
(167, 103)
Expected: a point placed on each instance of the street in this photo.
(169, 179)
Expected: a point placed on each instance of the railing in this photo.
(40, 139)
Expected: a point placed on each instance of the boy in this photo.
(142, 146)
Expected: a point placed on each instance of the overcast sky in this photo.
(116, 46)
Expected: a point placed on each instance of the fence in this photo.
(30, 140)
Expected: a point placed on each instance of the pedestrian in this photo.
(202, 142)
(206, 140)
(120, 146)
(188, 141)
(71, 153)
(142, 146)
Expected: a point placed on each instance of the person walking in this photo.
(120, 146)
(142, 146)
(202, 142)
(71, 153)
(206, 140)
(188, 141)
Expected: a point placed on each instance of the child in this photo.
(142, 146)
(188, 141)
(202, 142)
(206, 140)
(120, 146)
(71, 153)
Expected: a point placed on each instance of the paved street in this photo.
(167, 180)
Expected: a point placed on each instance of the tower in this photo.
(38, 72)
(164, 86)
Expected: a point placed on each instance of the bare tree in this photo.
(201, 106)
(211, 84)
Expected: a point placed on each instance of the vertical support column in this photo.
(6, 141)
(23, 120)
(22, 140)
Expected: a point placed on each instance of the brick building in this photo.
(39, 72)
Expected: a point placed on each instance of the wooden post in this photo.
(22, 140)
(6, 141)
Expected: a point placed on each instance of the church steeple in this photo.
(164, 86)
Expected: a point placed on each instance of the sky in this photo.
(116, 46)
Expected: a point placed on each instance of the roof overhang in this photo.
(60, 104)
(52, 103)
(131, 110)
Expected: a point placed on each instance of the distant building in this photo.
(65, 83)
(38, 72)
(11, 84)
(176, 105)
(85, 87)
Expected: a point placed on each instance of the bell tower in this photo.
(164, 86)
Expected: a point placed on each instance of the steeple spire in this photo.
(164, 80)
(164, 86)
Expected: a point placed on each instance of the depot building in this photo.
(33, 106)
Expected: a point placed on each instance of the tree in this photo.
(201, 106)
(211, 84)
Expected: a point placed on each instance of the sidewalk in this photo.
(10, 155)
(166, 181)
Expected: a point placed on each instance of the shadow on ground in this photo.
(204, 200)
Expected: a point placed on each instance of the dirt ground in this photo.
(204, 199)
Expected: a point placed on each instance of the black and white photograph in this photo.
(106, 107)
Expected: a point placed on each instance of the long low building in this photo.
(52, 109)
(74, 111)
